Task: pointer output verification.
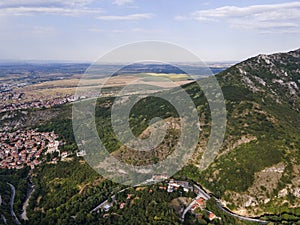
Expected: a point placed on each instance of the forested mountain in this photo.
(257, 171)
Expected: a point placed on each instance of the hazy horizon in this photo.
(84, 30)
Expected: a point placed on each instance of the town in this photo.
(25, 148)
(12, 101)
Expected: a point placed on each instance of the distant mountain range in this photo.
(170, 69)
(76, 67)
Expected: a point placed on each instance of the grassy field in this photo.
(61, 88)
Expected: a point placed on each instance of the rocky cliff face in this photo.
(263, 102)
(276, 76)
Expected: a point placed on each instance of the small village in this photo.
(12, 101)
(26, 148)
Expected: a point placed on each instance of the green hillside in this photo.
(256, 172)
(262, 96)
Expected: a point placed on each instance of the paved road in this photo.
(206, 196)
(26, 203)
(2, 216)
(201, 194)
(238, 216)
(3, 219)
(106, 201)
(101, 205)
(12, 199)
(187, 209)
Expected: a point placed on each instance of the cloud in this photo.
(181, 18)
(140, 16)
(96, 30)
(122, 2)
(35, 31)
(271, 16)
(30, 7)
(135, 30)
(264, 25)
(20, 11)
(41, 3)
(146, 31)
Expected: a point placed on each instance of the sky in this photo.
(84, 30)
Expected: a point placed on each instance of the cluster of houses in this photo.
(10, 95)
(198, 205)
(6, 87)
(173, 185)
(25, 147)
(19, 104)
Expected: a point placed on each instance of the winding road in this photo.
(106, 201)
(203, 194)
(3, 219)
(26, 203)
(239, 216)
(12, 199)
(2, 216)
(187, 209)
